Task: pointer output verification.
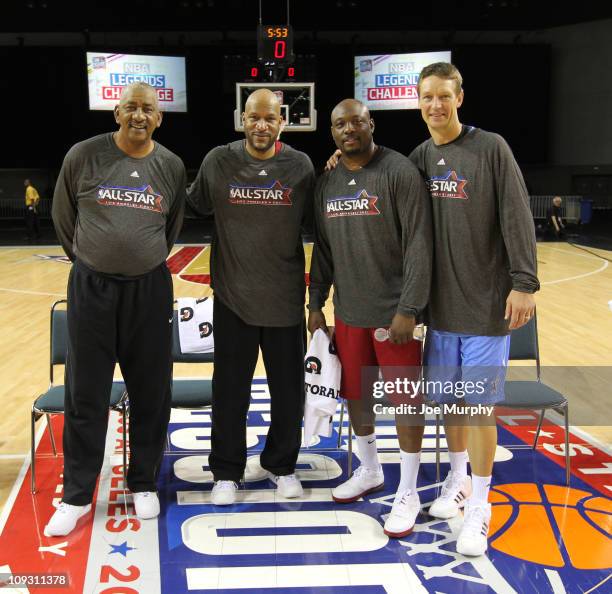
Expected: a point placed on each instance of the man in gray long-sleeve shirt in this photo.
(260, 191)
(483, 284)
(373, 242)
(117, 210)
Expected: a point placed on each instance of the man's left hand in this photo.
(401, 329)
(520, 308)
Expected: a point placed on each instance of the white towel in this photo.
(195, 322)
(322, 373)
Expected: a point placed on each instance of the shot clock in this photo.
(275, 44)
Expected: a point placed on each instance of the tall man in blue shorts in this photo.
(484, 278)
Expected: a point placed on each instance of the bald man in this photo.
(373, 242)
(260, 191)
(555, 218)
(117, 210)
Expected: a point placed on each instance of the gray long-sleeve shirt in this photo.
(373, 241)
(257, 255)
(483, 232)
(118, 214)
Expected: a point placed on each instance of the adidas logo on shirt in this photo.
(262, 172)
(134, 174)
(352, 183)
(441, 162)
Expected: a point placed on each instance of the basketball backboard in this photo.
(297, 104)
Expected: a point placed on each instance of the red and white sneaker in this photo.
(472, 540)
(456, 489)
(362, 482)
(404, 512)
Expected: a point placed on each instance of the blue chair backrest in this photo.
(177, 355)
(524, 341)
(59, 336)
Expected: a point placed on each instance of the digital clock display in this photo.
(275, 43)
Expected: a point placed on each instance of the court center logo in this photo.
(449, 185)
(144, 198)
(559, 520)
(274, 194)
(358, 205)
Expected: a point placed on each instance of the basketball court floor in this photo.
(544, 536)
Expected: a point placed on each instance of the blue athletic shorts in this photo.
(465, 368)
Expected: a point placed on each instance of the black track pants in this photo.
(126, 321)
(236, 349)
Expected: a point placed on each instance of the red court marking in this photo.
(584, 456)
(22, 539)
(203, 279)
(182, 258)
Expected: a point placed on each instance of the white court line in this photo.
(12, 456)
(587, 256)
(555, 581)
(600, 584)
(30, 247)
(256, 496)
(569, 278)
(24, 292)
(12, 496)
(607, 449)
(574, 253)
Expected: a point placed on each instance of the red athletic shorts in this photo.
(357, 348)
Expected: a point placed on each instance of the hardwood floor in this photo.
(574, 314)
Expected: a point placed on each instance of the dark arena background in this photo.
(536, 72)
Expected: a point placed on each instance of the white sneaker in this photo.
(362, 482)
(472, 539)
(146, 504)
(65, 519)
(224, 493)
(455, 491)
(406, 508)
(288, 485)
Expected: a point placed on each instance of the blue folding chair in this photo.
(52, 401)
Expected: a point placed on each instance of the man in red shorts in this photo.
(374, 243)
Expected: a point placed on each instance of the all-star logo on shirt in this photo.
(449, 185)
(144, 197)
(134, 174)
(441, 162)
(274, 194)
(263, 172)
(346, 206)
(352, 183)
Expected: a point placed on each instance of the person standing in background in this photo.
(555, 219)
(32, 199)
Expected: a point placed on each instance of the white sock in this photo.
(409, 469)
(480, 490)
(458, 462)
(367, 452)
